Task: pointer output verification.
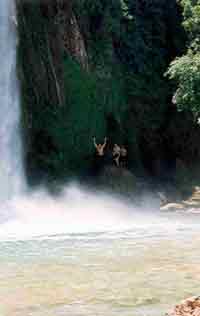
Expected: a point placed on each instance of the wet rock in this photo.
(190, 205)
(172, 207)
(118, 180)
(188, 307)
(72, 37)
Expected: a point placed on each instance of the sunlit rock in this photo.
(188, 307)
(172, 207)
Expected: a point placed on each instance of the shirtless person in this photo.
(100, 147)
(116, 154)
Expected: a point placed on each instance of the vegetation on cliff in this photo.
(186, 69)
(96, 68)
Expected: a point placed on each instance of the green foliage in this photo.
(191, 12)
(186, 69)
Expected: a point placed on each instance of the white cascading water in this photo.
(26, 214)
(11, 170)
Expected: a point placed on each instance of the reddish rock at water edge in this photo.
(189, 307)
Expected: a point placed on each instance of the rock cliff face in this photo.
(84, 71)
(40, 51)
(47, 30)
(40, 74)
(71, 35)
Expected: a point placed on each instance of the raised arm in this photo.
(105, 142)
(94, 141)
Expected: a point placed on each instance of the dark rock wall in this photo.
(92, 69)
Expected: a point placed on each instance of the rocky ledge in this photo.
(191, 205)
(189, 307)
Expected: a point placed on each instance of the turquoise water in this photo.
(139, 272)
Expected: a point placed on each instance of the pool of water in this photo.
(139, 272)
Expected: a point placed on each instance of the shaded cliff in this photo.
(97, 69)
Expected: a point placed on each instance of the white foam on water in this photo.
(74, 211)
(77, 211)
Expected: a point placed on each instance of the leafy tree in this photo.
(186, 69)
(186, 72)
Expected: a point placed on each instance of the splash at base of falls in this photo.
(74, 211)
(77, 211)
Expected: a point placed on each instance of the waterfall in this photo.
(11, 169)
(25, 213)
